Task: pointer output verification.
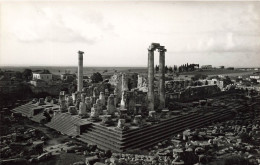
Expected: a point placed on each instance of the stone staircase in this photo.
(66, 123)
(149, 135)
(138, 138)
(25, 109)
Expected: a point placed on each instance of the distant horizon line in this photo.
(110, 66)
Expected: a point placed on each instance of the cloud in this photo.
(61, 25)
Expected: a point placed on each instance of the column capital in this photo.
(161, 49)
(153, 46)
(80, 52)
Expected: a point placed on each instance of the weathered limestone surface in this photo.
(69, 101)
(102, 98)
(94, 115)
(150, 94)
(80, 70)
(111, 105)
(123, 101)
(162, 51)
(121, 123)
(73, 110)
(63, 106)
(138, 120)
(99, 106)
(88, 104)
(82, 109)
(124, 83)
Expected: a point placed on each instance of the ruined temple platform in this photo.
(146, 136)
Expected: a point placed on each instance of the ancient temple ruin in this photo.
(162, 51)
(115, 117)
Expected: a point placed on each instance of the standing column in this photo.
(162, 77)
(124, 83)
(150, 94)
(80, 71)
(150, 79)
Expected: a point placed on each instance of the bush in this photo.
(96, 77)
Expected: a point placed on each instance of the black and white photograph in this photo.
(129, 82)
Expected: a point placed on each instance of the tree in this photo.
(199, 76)
(227, 81)
(166, 69)
(156, 68)
(96, 77)
(175, 68)
(27, 74)
(18, 75)
(170, 69)
(254, 81)
(72, 88)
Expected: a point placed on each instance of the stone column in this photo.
(80, 70)
(82, 109)
(72, 110)
(123, 101)
(124, 83)
(162, 51)
(111, 105)
(99, 106)
(94, 115)
(88, 104)
(150, 94)
(102, 98)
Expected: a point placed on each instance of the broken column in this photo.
(88, 103)
(111, 105)
(124, 83)
(80, 70)
(82, 97)
(82, 109)
(107, 120)
(69, 101)
(121, 123)
(62, 102)
(102, 98)
(162, 51)
(123, 113)
(95, 94)
(63, 106)
(99, 106)
(150, 94)
(73, 110)
(131, 102)
(123, 101)
(137, 120)
(94, 115)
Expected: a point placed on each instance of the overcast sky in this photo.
(119, 33)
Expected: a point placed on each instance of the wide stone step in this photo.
(165, 135)
(94, 140)
(163, 131)
(150, 132)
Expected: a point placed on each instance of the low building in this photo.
(39, 83)
(255, 77)
(44, 75)
(230, 68)
(219, 83)
(206, 67)
(67, 77)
